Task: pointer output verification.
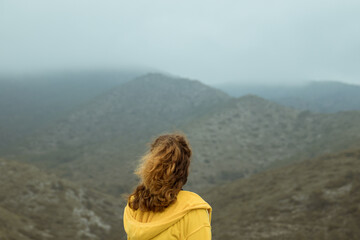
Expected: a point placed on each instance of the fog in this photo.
(268, 42)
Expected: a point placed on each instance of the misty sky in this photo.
(213, 41)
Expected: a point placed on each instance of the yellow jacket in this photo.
(188, 218)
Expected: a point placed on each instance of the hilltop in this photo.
(316, 199)
(316, 96)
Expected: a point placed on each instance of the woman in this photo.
(159, 208)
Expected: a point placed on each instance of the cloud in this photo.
(209, 40)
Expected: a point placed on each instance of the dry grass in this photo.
(315, 199)
(36, 205)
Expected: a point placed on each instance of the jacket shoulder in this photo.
(190, 196)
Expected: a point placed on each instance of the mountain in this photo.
(315, 199)
(325, 96)
(37, 205)
(28, 103)
(103, 139)
(251, 134)
(274, 171)
(99, 144)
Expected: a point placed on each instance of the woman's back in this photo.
(187, 218)
(159, 208)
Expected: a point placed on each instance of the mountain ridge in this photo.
(99, 145)
(316, 96)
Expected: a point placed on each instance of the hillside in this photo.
(251, 134)
(316, 199)
(99, 144)
(324, 96)
(36, 205)
(28, 103)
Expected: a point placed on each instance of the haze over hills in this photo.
(99, 144)
(36, 205)
(325, 96)
(104, 139)
(315, 199)
(29, 103)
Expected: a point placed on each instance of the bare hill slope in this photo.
(316, 199)
(36, 205)
(251, 134)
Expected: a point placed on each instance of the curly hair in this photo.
(163, 172)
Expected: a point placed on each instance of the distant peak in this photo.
(331, 83)
(174, 83)
(251, 97)
(156, 75)
(163, 77)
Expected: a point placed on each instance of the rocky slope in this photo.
(36, 205)
(316, 199)
(252, 134)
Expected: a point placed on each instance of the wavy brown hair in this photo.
(163, 172)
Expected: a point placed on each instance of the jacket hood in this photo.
(146, 225)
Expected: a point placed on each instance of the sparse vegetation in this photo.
(252, 153)
(36, 205)
(315, 199)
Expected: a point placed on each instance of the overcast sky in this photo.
(212, 41)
